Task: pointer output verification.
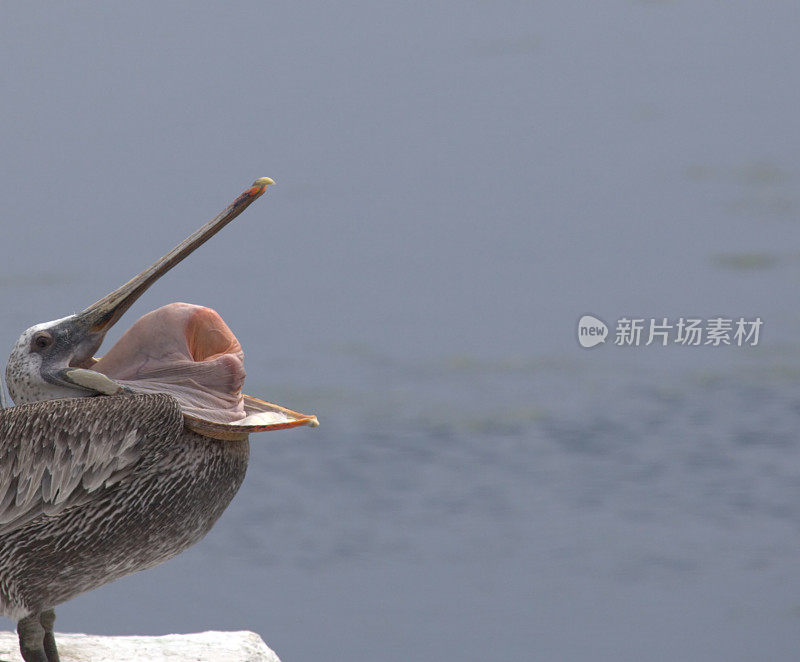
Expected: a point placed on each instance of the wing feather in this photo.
(55, 454)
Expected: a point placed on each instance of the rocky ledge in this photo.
(211, 646)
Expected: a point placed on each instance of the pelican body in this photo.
(112, 466)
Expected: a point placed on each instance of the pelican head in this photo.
(54, 359)
(49, 360)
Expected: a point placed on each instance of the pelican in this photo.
(109, 466)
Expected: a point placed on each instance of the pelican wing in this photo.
(55, 454)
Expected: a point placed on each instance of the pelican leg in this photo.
(47, 618)
(31, 639)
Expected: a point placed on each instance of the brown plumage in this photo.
(94, 489)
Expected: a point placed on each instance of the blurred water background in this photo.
(458, 182)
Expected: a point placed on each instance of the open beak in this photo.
(98, 318)
(91, 325)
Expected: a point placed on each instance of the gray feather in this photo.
(55, 453)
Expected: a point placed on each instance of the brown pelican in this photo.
(95, 488)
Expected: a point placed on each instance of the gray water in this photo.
(457, 184)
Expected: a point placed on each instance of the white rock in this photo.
(201, 646)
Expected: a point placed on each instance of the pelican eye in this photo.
(42, 340)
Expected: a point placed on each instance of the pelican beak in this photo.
(93, 323)
(87, 380)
